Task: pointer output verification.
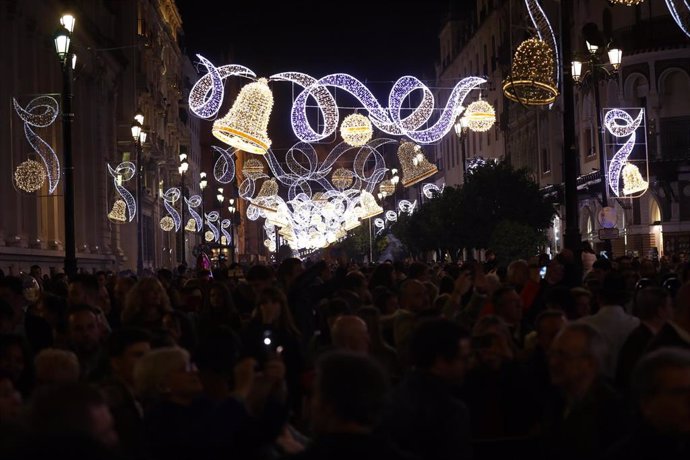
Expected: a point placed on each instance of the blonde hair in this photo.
(133, 313)
(56, 366)
(153, 369)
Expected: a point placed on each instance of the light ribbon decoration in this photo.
(406, 207)
(194, 201)
(211, 219)
(41, 112)
(680, 10)
(124, 172)
(380, 223)
(544, 32)
(169, 199)
(387, 120)
(224, 225)
(224, 168)
(430, 190)
(620, 158)
(207, 94)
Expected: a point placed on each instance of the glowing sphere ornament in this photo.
(252, 168)
(118, 214)
(342, 178)
(167, 223)
(356, 130)
(386, 188)
(480, 116)
(246, 124)
(209, 236)
(531, 79)
(30, 176)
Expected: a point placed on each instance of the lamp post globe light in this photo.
(203, 182)
(68, 59)
(139, 137)
(182, 169)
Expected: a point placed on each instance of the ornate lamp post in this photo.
(461, 128)
(68, 60)
(182, 169)
(139, 137)
(203, 182)
(232, 209)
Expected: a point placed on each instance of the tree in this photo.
(513, 240)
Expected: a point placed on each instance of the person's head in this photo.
(125, 347)
(167, 373)
(53, 365)
(350, 332)
(413, 296)
(576, 358)
(582, 305)
(289, 270)
(419, 271)
(83, 289)
(385, 300)
(383, 276)
(12, 292)
(349, 393)
(272, 308)
(6, 318)
(260, 277)
(356, 282)
(440, 347)
(613, 289)
(681, 311)
(492, 342)
(508, 304)
(71, 409)
(661, 386)
(15, 357)
(146, 303)
(653, 304)
(83, 328)
(560, 298)
(10, 399)
(165, 276)
(36, 272)
(330, 311)
(123, 284)
(547, 325)
(518, 273)
(219, 299)
(555, 271)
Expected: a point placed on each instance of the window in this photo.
(675, 137)
(588, 143)
(545, 161)
(493, 53)
(486, 61)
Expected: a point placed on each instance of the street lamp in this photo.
(461, 128)
(139, 137)
(232, 209)
(220, 196)
(593, 69)
(182, 169)
(63, 39)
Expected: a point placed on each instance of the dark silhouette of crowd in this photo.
(329, 359)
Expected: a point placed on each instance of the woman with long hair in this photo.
(146, 304)
(218, 310)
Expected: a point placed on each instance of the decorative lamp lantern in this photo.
(531, 80)
(246, 124)
(191, 226)
(29, 176)
(342, 178)
(356, 130)
(252, 168)
(266, 199)
(615, 57)
(461, 126)
(386, 188)
(632, 180)
(415, 166)
(167, 223)
(118, 215)
(370, 207)
(480, 116)
(576, 71)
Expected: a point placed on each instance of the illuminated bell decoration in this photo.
(387, 188)
(245, 126)
(632, 180)
(342, 178)
(266, 197)
(252, 168)
(191, 226)
(30, 176)
(480, 116)
(167, 223)
(356, 130)
(208, 236)
(370, 207)
(118, 214)
(531, 80)
(415, 166)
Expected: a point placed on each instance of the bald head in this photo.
(349, 332)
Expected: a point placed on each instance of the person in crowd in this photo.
(24, 322)
(661, 391)
(582, 303)
(85, 338)
(414, 304)
(548, 325)
(654, 307)
(508, 306)
(425, 417)
(588, 256)
(16, 360)
(10, 405)
(419, 271)
(383, 276)
(379, 349)
(519, 276)
(288, 271)
(56, 366)
(346, 406)
(350, 332)
(121, 288)
(385, 300)
(146, 304)
(328, 312)
(588, 415)
(676, 332)
(612, 321)
(218, 311)
(165, 277)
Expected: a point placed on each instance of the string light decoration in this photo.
(407, 207)
(386, 188)
(29, 176)
(124, 172)
(544, 32)
(224, 168)
(632, 180)
(626, 129)
(356, 130)
(208, 236)
(680, 11)
(40, 112)
(170, 197)
(211, 219)
(342, 178)
(206, 96)
(480, 116)
(266, 197)
(193, 202)
(118, 214)
(167, 224)
(430, 190)
(245, 125)
(626, 2)
(531, 80)
(252, 168)
(191, 225)
(370, 207)
(415, 166)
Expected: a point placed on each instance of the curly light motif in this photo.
(224, 168)
(430, 190)
(680, 10)
(620, 158)
(545, 32)
(406, 207)
(211, 219)
(41, 112)
(193, 202)
(122, 173)
(224, 225)
(169, 198)
(207, 94)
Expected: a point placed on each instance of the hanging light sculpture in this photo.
(29, 176)
(167, 223)
(370, 207)
(118, 214)
(480, 116)
(342, 178)
(266, 199)
(632, 180)
(356, 130)
(246, 124)
(386, 188)
(626, 2)
(531, 79)
(415, 166)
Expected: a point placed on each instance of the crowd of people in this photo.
(333, 360)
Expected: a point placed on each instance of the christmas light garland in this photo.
(680, 11)
(628, 129)
(224, 168)
(124, 172)
(193, 202)
(169, 198)
(545, 32)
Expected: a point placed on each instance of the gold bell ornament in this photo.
(531, 79)
(118, 214)
(370, 207)
(415, 166)
(632, 180)
(266, 199)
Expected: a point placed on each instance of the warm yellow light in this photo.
(480, 116)
(356, 130)
(633, 182)
(118, 214)
(167, 224)
(30, 176)
(531, 80)
(342, 178)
